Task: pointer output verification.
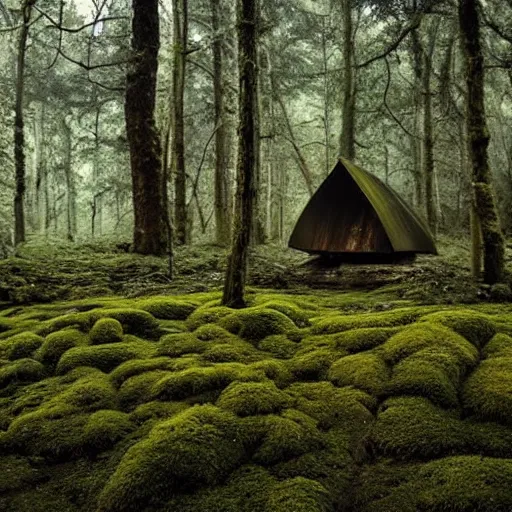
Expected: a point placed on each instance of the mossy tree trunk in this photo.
(19, 127)
(150, 235)
(70, 182)
(478, 139)
(180, 35)
(234, 284)
(222, 185)
(348, 126)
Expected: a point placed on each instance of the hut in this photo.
(354, 213)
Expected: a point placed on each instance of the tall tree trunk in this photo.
(234, 285)
(39, 167)
(150, 235)
(326, 105)
(222, 192)
(347, 137)
(19, 132)
(180, 35)
(70, 183)
(478, 135)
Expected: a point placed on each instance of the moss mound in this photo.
(166, 308)
(175, 345)
(20, 346)
(476, 327)
(312, 365)
(212, 332)
(279, 346)
(499, 346)
(366, 338)
(298, 316)
(366, 371)
(21, 370)
(105, 428)
(207, 315)
(249, 398)
(300, 495)
(134, 321)
(58, 343)
(198, 447)
(106, 330)
(104, 357)
(254, 324)
(488, 390)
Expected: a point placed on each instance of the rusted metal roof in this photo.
(354, 211)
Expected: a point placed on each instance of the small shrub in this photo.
(106, 330)
(500, 292)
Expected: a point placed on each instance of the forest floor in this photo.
(47, 270)
(359, 388)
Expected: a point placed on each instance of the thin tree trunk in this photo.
(180, 35)
(234, 285)
(150, 235)
(347, 137)
(478, 135)
(19, 132)
(222, 192)
(327, 123)
(39, 167)
(70, 183)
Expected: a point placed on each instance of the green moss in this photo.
(175, 345)
(21, 346)
(339, 323)
(105, 428)
(421, 376)
(300, 495)
(200, 446)
(58, 343)
(476, 327)
(17, 473)
(137, 366)
(157, 410)
(488, 390)
(134, 321)
(299, 317)
(212, 332)
(195, 381)
(167, 308)
(249, 398)
(279, 346)
(230, 352)
(499, 346)
(332, 406)
(254, 324)
(312, 365)
(22, 370)
(459, 484)
(366, 338)
(104, 357)
(426, 335)
(139, 388)
(275, 370)
(274, 439)
(106, 330)
(207, 315)
(366, 371)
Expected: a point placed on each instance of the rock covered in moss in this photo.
(198, 447)
(106, 330)
(21, 370)
(249, 398)
(105, 428)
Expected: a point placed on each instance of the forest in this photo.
(256, 255)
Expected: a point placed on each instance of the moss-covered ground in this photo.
(300, 402)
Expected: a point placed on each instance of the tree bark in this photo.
(70, 183)
(222, 191)
(347, 137)
(478, 138)
(19, 129)
(150, 235)
(234, 284)
(180, 35)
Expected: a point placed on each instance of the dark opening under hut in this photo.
(354, 216)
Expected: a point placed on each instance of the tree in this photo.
(478, 138)
(150, 232)
(19, 126)
(180, 31)
(234, 284)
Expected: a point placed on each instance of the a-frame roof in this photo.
(354, 211)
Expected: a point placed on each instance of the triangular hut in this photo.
(355, 212)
